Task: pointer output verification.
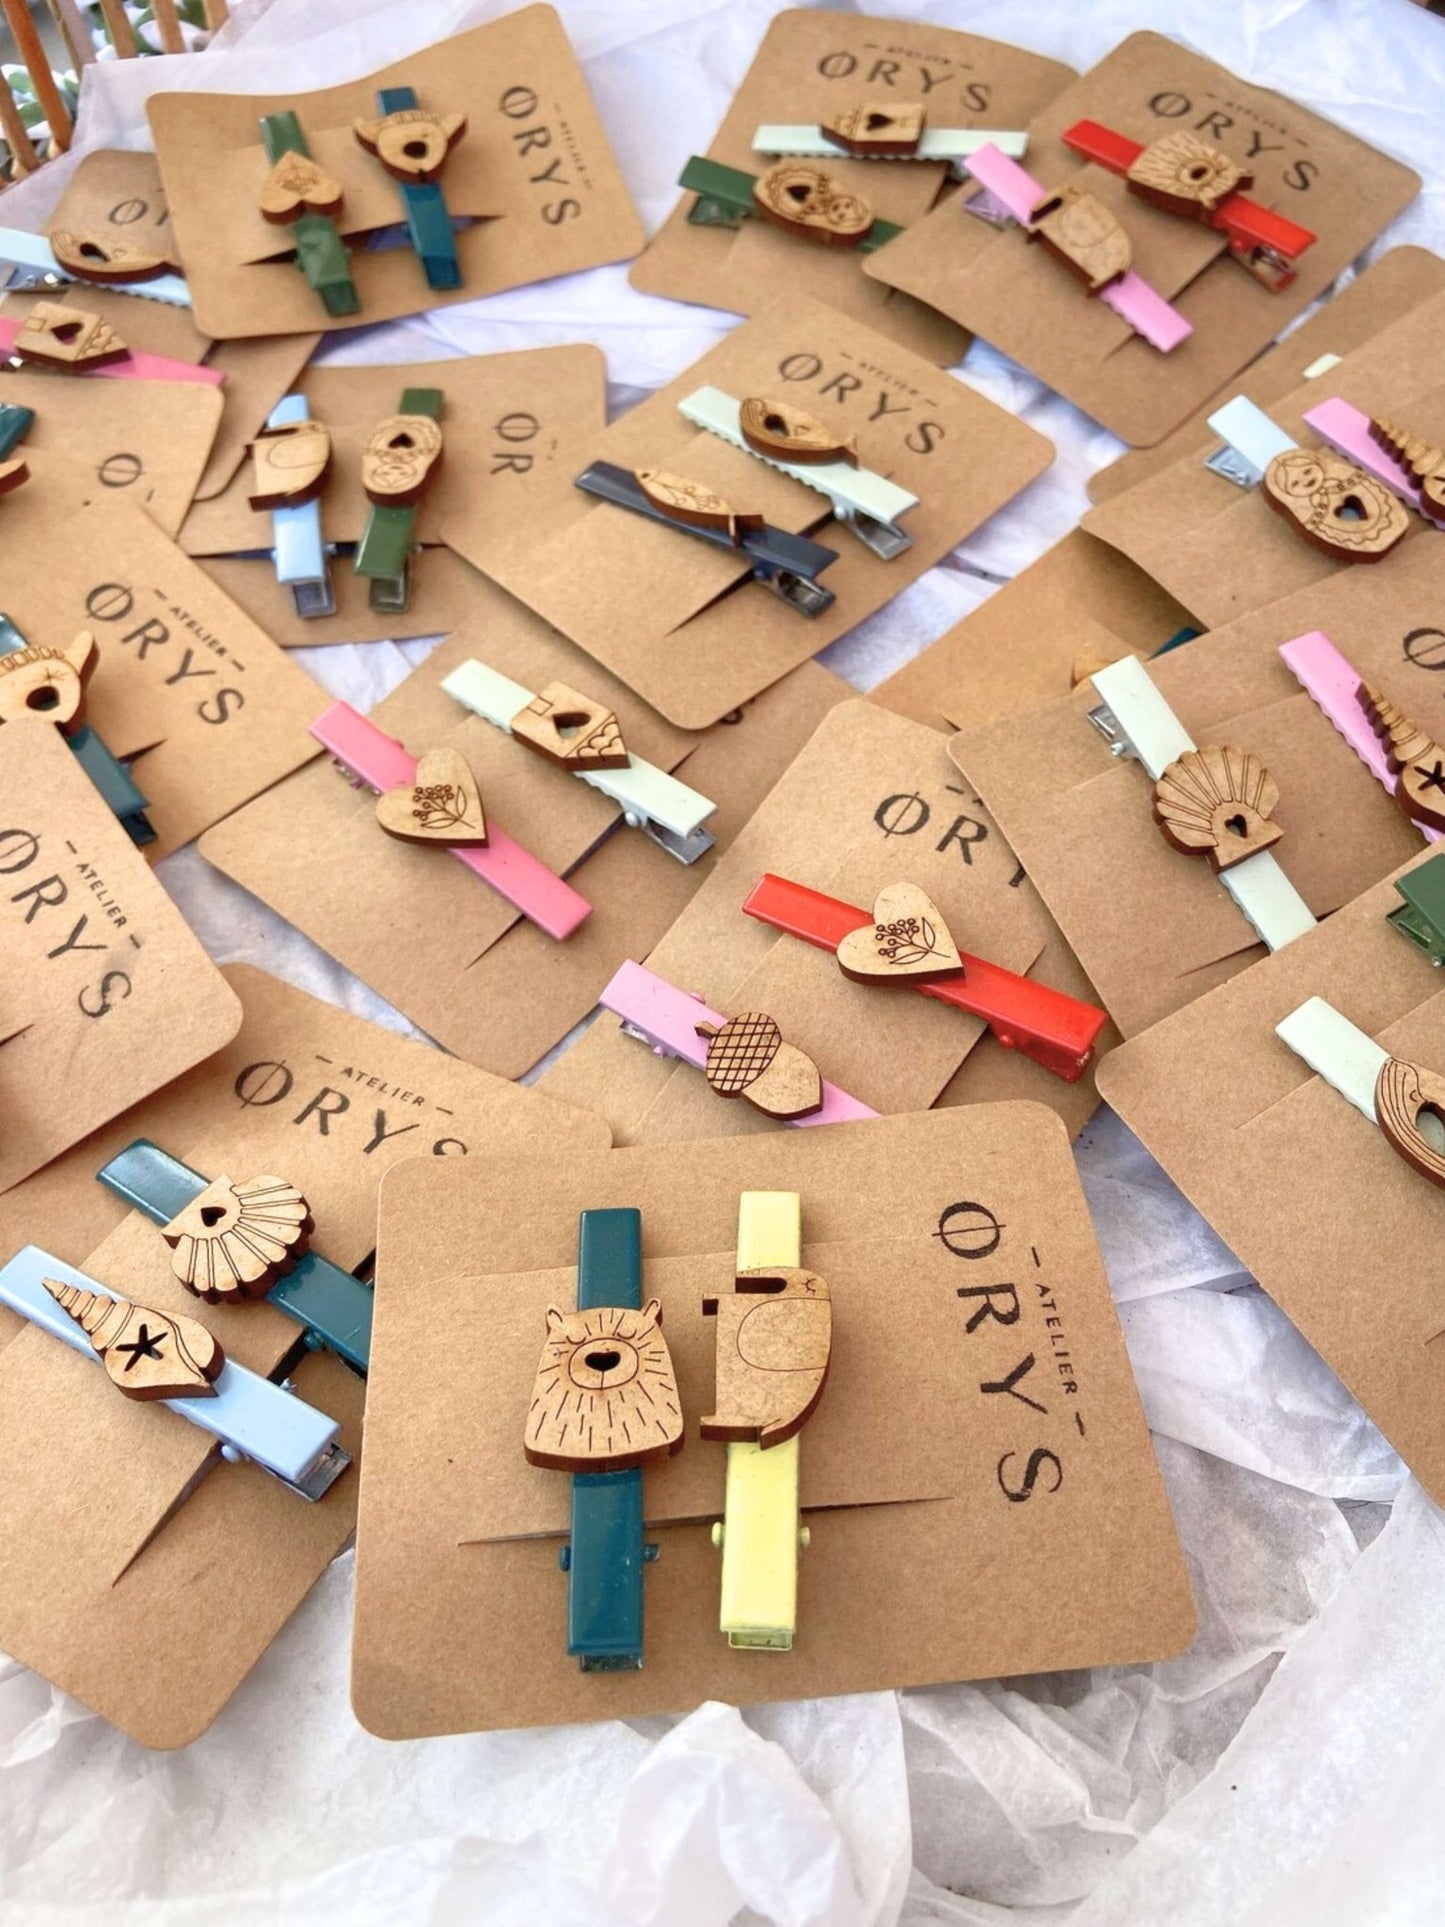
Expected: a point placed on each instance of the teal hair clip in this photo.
(412, 145)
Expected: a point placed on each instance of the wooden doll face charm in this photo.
(809, 202)
(399, 457)
(1410, 1109)
(411, 144)
(605, 1394)
(907, 941)
(1186, 175)
(1084, 234)
(1216, 802)
(1335, 505)
(235, 1240)
(45, 682)
(774, 1342)
(146, 1354)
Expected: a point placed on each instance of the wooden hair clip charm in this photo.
(907, 942)
(1333, 501)
(442, 804)
(108, 263)
(1416, 760)
(1216, 802)
(803, 200)
(290, 459)
(1422, 461)
(402, 455)
(146, 1355)
(298, 193)
(885, 131)
(72, 341)
(1405, 1100)
(42, 265)
(413, 145)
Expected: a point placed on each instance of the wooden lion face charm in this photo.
(45, 682)
(146, 1354)
(780, 432)
(296, 185)
(68, 339)
(1084, 234)
(235, 1240)
(1410, 1110)
(289, 464)
(907, 941)
(746, 1057)
(605, 1395)
(441, 804)
(774, 1341)
(1335, 505)
(571, 730)
(1186, 175)
(876, 132)
(809, 202)
(399, 457)
(112, 264)
(1417, 759)
(1216, 802)
(411, 144)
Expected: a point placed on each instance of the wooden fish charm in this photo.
(40, 681)
(1422, 462)
(774, 1342)
(295, 186)
(1084, 234)
(682, 500)
(235, 1240)
(571, 730)
(289, 464)
(876, 132)
(1403, 1093)
(605, 1395)
(907, 941)
(71, 340)
(400, 456)
(146, 1354)
(1187, 176)
(780, 432)
(442, 803)
(746, 1057)
(1417, 759)
(109, 263)
(809, 203)
(1336, 506)
(1216, 802)
(411, 144)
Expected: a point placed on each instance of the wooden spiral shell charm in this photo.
(774, 1343)
(746, 1057)
(1422, 462)
(1216, 802)
(1404, 1093)
(233, 1241)
(1417, 759)
(146, 1354)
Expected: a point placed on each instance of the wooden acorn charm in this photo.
(746, 1057)
(235, 1240)
(412, 144)
(571, 730)
(780, 432)
(40, 681)
(297, 185)
(1404, 1093)
(808, 202)
(1335, 505)
(1417, 759)
(907, 941)
(1187, 176)
(682, 500)
(400, 454)
(1216, 802)
(1084, 234)
(71, 340)
(289, 464)
(146, 1354)
(110, 264)
(876, 132)
(774, 1342)
(442, 804)
(605, 1395)
(1422, 462)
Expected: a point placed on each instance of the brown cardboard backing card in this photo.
(1154, 928)
(516, 427)
(1399, 280)
(104, 992)
(118, 194)
(682, 622)
(143, 442)
(485, 983)
(811, 64)
(1085, 1571)
(1307, 1193)
(870, 798)
(209, 707)
(1019, 648)
(1220, 548)
(534, 170)
(1030, 306)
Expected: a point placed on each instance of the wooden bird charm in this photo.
(1216, 802)
(400, 456)
(876, 132)
(605, 1395)
(40, 681)
(1404, 1093)
(1084, 234)
(235, 1240)
(1422, 462)
(1417, 759)
(289, 464)
(411, 144)
(780, 432)
(746, 1057)
(571, 730)
(70, 340)
(297, 185)
(1335, 505)
(442, 803)
(1187, 176)
(808, 202)
(907, 941)
(146, 1354)
(774, 1340)
(683, 500)
(109, 263)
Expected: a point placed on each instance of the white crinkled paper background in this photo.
(1286, 1770)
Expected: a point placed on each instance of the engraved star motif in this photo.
(1432, 778)
(144, 1347)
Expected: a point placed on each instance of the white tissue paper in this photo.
(1285, 1770)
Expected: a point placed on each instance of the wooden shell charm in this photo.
(907, 941)
(13, 473)
(1085, 235)
(1424, 464)
(147, 1354)
(1217, 802)
(400, 455)
(411, 144)
(69, 339)
(876, 132)
(1335, 505)
(111, 264)
(442, 804)
(289, 464)
(682, 500)
(806, 201)
(571, 730)
(1187, 176)
(1404, 1093)
(296, 185)
(774, 1340)
(746, 1057)
(1417, 759)
(235, 1240)
(605, 1395)
(46, 682)
(782, 433)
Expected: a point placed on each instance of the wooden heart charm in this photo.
(411, 144)
(295, 186)
(907, 941)
(441, 805)
(109, 263)
(809, 202)
(71, 339)
(780, 432)
(147, 1354)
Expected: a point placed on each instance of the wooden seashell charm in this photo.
(774, 1342)
(605, 1395)
(808, 202)
(235, 1240)
(289, 464)
(111, 264)
(681, 499)
(746, 1057)
(1335, 505)
(1422, 462)
(1417, 759)
(297, 185)
(146, 1354)
(1084, 234)
(571, 730)
(1216, 802)
(412, 144)
(441, 804)
(780, 432)
(40, 681)
(876, 132)
(1187, 176)
(69, 339)
(1404, 1094)
(907, 941)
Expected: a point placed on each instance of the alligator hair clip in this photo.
(886, 131)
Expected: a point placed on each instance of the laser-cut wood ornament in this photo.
(878, 132)
(1185, 175)
(1417, 759)
(1422, 461)
(234, 1241)
(50, 683)
(1403, 1093)
(1216, 802)
(907, 941)
(109, 263)
(401, 453)
(70, 340)
(1334, 505)
(681, 499)
(571, 730)
(13, 474)
(146, 1354)
(747, 1057)
(605, 1395)
(289, 464)
(774, 1342)
(298, 185)
(442, 804)
(413, 143)
(1076, 227)
(807, 201)
(783, 433)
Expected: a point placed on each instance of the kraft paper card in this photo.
(996, 284)
(1015, 1523)
(810, 66)
(143, 442)
(533, 178)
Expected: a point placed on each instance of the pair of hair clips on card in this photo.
(229, 1244)
(605, 1404)
(903, 942)
(868, 505)
(412, 144)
